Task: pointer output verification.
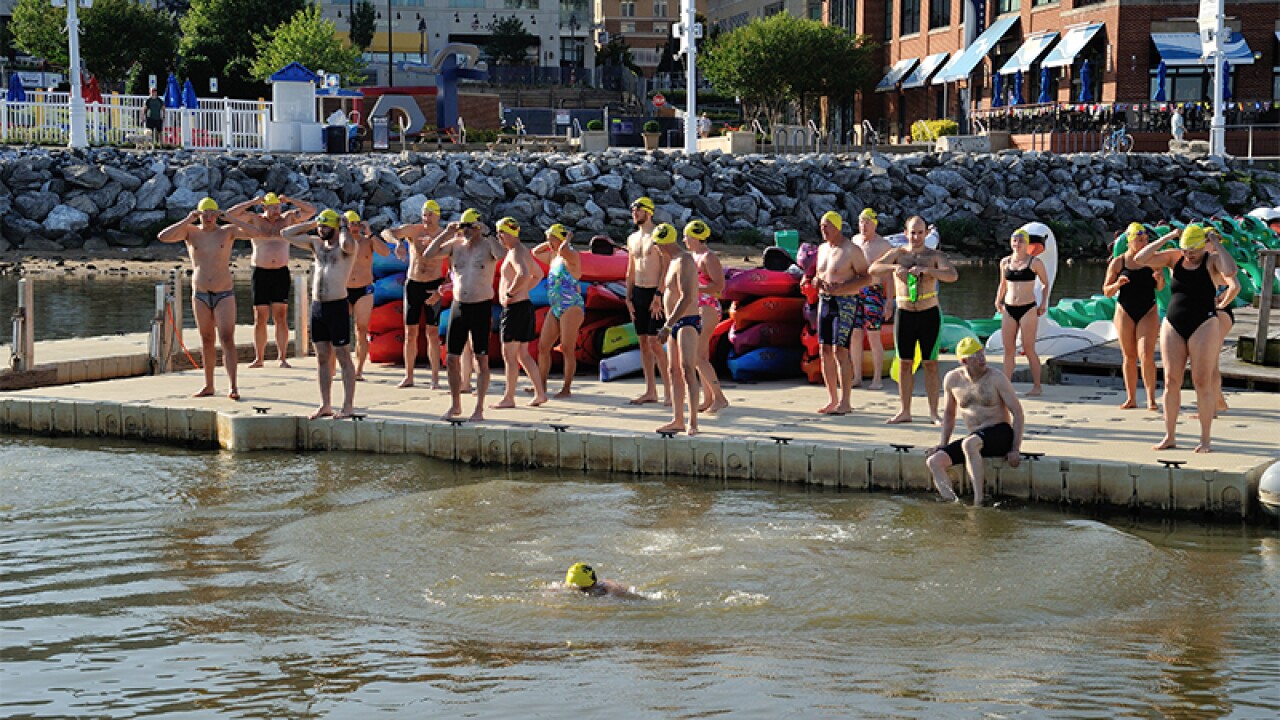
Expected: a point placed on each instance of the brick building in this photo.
(940, 58)
(644, 25)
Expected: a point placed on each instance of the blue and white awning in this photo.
(1072, 43)
(924, 71)
(966, 60)
(896, 73)
(1029, 54)
(1185, 49)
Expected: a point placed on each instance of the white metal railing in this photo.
(218, 124)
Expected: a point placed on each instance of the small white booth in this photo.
(294, 125)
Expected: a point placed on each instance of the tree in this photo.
(509, 43)
(784, 61)
(362, 25)
(309, 39)
(37, 30)
(218, 40)
(615, 53)
(119, 34)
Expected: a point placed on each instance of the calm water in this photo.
(68, 306)
(143, 581)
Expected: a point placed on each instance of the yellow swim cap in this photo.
(580, 575)
(665, 234)
(270, 199)
(558, 231)
(1020, 233)
(470, 215)
(328, 218)
(431, 206)
(643, 202)
(1134, 230)
(509, 225)
(1192, 237)
(968, 347)
(207, 204)
(834, 218)
(869, 214)
(697, 229)
(352, 216)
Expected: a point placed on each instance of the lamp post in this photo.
(422, 39)
(573, 40)
(391, 78)
(79, 137)
(691, 75)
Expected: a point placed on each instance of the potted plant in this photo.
(594, 138)
(651, 134)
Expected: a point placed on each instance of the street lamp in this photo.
(422, 39)
(79, 137)
(573, 41)
(391, 78)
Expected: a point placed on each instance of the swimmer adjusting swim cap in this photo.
(834, 218)
(470, 215)
(207, 204)
(352, 216)
(1134, 229)
(431, 206)
(1023, 234)
(643, 202)
(869, 214)
(1193, 237)
(509, 225)
(665, 234)
(270, 199)
(558, 231)
(580, 575)
(968, 347)
(328, 218)
(697, 229)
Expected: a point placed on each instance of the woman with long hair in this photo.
(1016, 303)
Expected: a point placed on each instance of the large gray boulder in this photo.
(85, 176)
(153, 192)
(35, 205)
(66, 219)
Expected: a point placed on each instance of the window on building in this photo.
(1008, 6)
(1082, 3)
(813, 11)
(509, 4)
(662, 28)
(1185, 84)
(1042, 3)
(939, 14)
(626, 27)
(628, 9)
(772, 9)
(659, 8)
(888, 20)
(910, 17)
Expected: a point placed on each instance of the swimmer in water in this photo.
(582, 578)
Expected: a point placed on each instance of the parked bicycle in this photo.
(1119, 141)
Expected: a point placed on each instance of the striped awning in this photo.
(966, 60)
(896, 73)
(1072, 43)
(1033, 48)
(924, 71)
(1185, 49)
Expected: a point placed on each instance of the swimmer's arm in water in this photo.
(613, 589)
(299, 235)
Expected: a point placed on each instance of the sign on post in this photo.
(659, 100)
(213, 84)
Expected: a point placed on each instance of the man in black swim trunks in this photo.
(988, 403)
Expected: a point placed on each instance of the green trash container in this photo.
(788, 240)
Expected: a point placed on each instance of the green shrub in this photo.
(652, 126)
(963, 230)
(745, 236)
(595, 125)
(930, 129)
(482, 136)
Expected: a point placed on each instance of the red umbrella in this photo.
(92, 93)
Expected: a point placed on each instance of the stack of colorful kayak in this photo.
(761, 338)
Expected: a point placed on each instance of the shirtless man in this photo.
(872, 301)
(916, 270)
(270, 262)
(213, 297)
(330, 240)
(360, 284)
(473, 254)
(987, 403)
(841, 273)
(684, 326)
(517, 276)
(421, 289)
(645, 268)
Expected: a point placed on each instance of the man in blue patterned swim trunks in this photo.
(872, 305)
(841, 273)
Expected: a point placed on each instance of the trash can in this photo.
(335, 139)
(788, 240)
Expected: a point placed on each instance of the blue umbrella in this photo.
(172, 98)
(997, 91)
(189, 100)
(1086, 79)
(1226, 80)
(1044, 87)
(1017, 88)
(16, 92)
(1162, 72)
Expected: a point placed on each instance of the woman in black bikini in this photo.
(1190, 329)
(1016, 301)
(1137, 319)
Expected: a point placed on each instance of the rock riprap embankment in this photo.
(101, 198)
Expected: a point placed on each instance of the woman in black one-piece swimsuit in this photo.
(1137, 319)
(1190, 330)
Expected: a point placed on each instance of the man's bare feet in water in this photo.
(205, 391)
(644, 399)
(1167, 443)
(325, 411)
(900, 418)
(671, 427)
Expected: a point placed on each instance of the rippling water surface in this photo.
(146, 581)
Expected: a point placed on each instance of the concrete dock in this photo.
(1094, 454)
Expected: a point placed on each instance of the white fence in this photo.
(218, 124)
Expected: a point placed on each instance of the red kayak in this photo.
(747, 284)
(603, 296)
(770, 334)
(387, 318)
(770, 309)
